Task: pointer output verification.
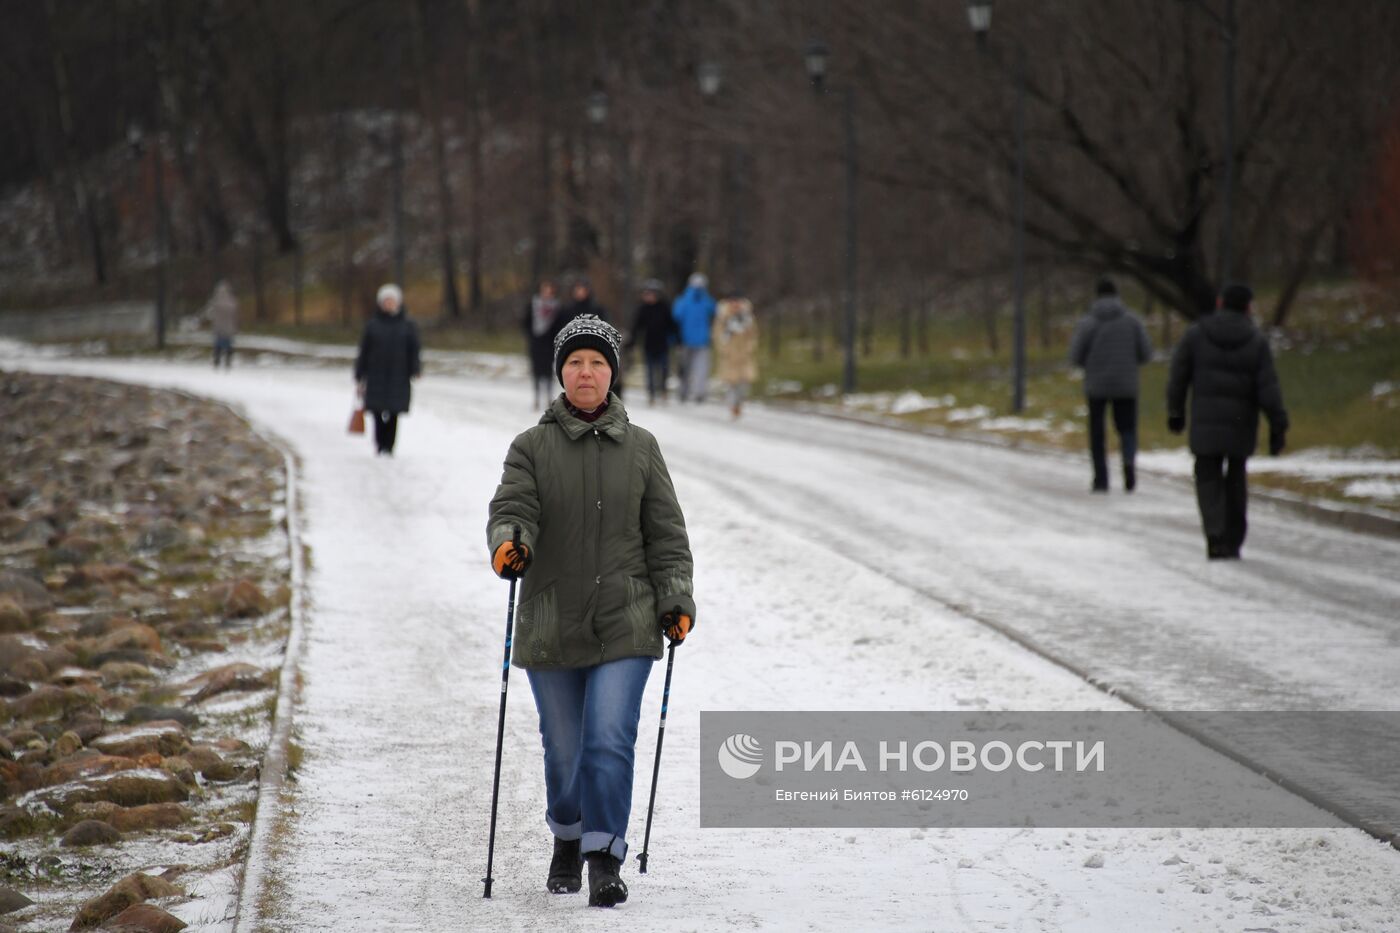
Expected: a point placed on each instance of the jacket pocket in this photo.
(537, 630)
(641, 616)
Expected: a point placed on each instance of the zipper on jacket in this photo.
(598, 547)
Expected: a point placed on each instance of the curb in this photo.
(273, 774)
(1372, 521)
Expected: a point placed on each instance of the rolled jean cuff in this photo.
(604, 842)
(566, 831)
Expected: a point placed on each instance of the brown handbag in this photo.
(357, 421)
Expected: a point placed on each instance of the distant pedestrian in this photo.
(655, 328)
(388, 360)
(542, 320)
(694, 312)
(607, 570)
(584, 303)
(1224, 362)
(736, 344)
(1110, 343)
(222, 309)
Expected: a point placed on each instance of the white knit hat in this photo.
(389, 291)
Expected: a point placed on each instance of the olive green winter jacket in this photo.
(610, 555)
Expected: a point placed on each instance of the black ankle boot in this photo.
(566, 868)
(605, 888)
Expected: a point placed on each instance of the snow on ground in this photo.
(839, 566)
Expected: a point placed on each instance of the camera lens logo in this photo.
(741, 756)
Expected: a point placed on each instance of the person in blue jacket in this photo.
(694, 312)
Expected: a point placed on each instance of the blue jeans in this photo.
(588, 724)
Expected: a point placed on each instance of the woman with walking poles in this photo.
(587, 518)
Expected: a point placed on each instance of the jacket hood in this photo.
(1228, 329)
(1107, 308)
(613, 422)
(696, 293)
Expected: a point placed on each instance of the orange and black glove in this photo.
(511, 560)
(676, 624)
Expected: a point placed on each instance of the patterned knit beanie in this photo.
(591, 332)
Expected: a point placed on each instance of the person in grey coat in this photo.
(1225, 364)
(222, 309)
(1110, 343)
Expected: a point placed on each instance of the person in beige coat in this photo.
(222, 309)
(735, 338)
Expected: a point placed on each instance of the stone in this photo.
(11, 900)
(131, 656)
(39, 532)
(74, 676)
(124, 672)
(159, 535)
(86, 725)
(30, 669)
(128, 788)
(164, 736)
(49, 700)
(16, 823)
(12, 651)
(240, 599)
(209, 763)
(30, 594)
(91, 833)
(130, 891)
(10, 687)
(230, 677)
(81, 765)
(137, 636)
(150, 816)
(144, 918)
(181, 769)
(147, 713)
(13, 617)
(66, 744)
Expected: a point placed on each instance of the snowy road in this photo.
(838, 566)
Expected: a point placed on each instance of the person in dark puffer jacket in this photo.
(1110, 344)
(602, 537)
(388, 360)
(1226, 365)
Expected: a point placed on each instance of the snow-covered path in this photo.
(838, 567)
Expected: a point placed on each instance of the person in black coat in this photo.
(1225, 363)
(656, 329)
(583, 303)
(388, 360)
(543, 319)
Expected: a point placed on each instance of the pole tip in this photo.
(642, 864)
(487, 892)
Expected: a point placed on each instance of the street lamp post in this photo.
(979, 15)
(136, 141)
(597, 107)
(817, 56)
(734, 158)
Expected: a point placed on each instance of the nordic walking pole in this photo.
(501, 722)
(656, 768)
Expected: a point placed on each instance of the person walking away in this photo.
(607, 571)
(1223, 362)
(735, 339)
(222, 309)
(541, 323)
(389, 359)
(694, 311)
(655, 328)
(1110, 343)
(583, 303)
